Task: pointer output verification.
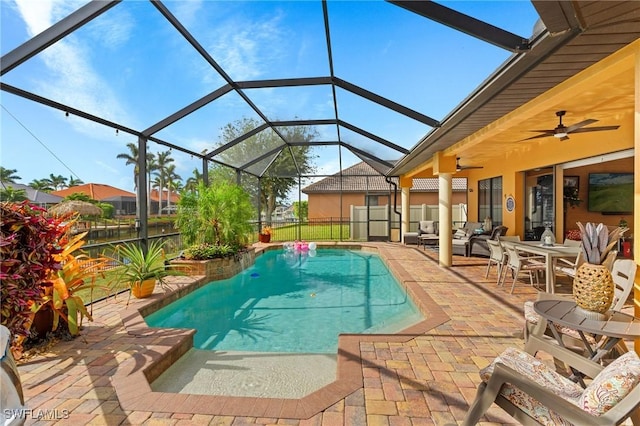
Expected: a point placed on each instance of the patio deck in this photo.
(428, 379)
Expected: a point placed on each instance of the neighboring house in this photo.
(123, 201)
(362, 185)
(35, 196)
(166, 208)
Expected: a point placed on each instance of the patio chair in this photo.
(623, 274)
(519, 263)
(568, 267)
(497, 256)
(533, 393)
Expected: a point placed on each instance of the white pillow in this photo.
(460, 234)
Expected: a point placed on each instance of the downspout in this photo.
(395, 203)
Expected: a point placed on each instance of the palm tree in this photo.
(173, 181)
(192, 182)
(9, 175)
(41, 184)
(152, 166)
(75, 182)
(163, 160)
(57, 182)
(132, 158)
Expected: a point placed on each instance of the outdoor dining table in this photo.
(550, 253)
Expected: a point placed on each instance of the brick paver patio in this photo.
(427, 379)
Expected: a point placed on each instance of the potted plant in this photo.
(141, 269)
(265, 234)
(593, 286)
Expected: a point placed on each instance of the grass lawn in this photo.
(316, 232)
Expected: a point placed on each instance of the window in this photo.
(490, 200)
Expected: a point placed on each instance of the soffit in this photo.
(500, 122)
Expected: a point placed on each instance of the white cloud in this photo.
(245, 49)
(71, 79)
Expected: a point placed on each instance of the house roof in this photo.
(96, 191)
(154, 196)
(34, 195)
(362, 177)
(578, 34)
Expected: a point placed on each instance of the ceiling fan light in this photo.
(560, 134)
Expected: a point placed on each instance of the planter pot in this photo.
(264, 238)
(144, 289)
(593, 290)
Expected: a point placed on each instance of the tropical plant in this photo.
(80, 196)
(56, 182)
(134, 265)
(10, 193)
(28, 249)
(41, 184)
(597, 241)
(78, 272)
(218, 214)
(75, 182)
(9, 175)
(208, 251)
(193, 181)
(132, 159)
(162, 162)
(289, 162)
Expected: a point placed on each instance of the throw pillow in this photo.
(611, 385)
(460, 233)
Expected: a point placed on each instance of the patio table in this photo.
(608, 332)
(550, 253)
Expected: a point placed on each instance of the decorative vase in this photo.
(547, 238)
(143, 289)
(264, 238)
(593, 290)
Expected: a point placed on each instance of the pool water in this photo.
(295, 302)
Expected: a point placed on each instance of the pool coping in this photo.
(133, 378)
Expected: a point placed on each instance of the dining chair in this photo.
(509, 238)
(519, 263)
(497, 256)
(568, 266)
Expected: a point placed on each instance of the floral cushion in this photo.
(532, 317)
(536, 370)
(611, 385)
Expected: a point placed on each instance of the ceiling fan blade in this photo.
(595, 129)
(564, 138)
(580, 124)
(549, 133)
(470, 167)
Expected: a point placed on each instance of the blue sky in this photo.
(130, 66)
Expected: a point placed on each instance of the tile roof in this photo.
(96, 191)
(361, 176)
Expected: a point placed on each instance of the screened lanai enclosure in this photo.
(281, 97)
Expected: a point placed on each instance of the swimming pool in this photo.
(294, 302)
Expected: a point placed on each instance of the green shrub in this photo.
(206, 251)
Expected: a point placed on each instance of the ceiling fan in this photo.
(460, 168)
(562, 132)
